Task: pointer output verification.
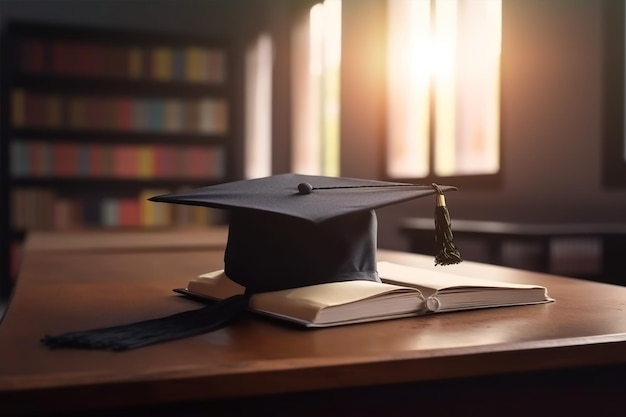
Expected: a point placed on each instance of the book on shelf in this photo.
(404, 292)
(205, 116)
(40, 208)
(161, 63)
(40, 159)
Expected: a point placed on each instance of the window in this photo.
(316, 54)
(443, 88)
(258, 113)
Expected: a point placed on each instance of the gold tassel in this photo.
(446, 251)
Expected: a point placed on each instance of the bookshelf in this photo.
(95, 121)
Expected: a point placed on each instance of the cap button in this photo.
(305, 188)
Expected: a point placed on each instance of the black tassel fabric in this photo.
(446, 251)
(135, 335)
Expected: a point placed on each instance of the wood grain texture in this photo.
(61, 291)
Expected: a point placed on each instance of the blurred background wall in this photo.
(552, 97)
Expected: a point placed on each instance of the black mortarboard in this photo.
(287, 231)
(290, 230)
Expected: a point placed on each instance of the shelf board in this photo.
(119, 86)
(115, 36)
(78, 183)
(116, 136)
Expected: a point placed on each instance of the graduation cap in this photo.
(285, 231)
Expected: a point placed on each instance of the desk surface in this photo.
(138, 240)
(60, 291)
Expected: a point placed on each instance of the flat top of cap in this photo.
(329, 196)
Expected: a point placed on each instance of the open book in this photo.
(404, 291)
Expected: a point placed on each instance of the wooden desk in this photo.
(565, 356)
(213, 238)
(493, 235)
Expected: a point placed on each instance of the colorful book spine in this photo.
(129, 212)
(38, 208)
(134, 62)
(19, 159)
(125, 161)
(162, 63)
(33, 109)
(39, 159)
(110, 213)
(192, 64)
(18, 108)
(65, 157)
(154, 115)
(145, 162)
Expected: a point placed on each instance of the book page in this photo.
(430, 282)
(448, 292)
(215, 285)
(319, 304)
(357, 299)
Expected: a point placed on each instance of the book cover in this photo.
(214, 70)
(125, 161)
(36, 158)
(178, 64)
(162, 63)
(65, 157)
(95, 161)
(53, 111)
(35, 110)
(139, 115)
(91, 211)
(135, 60)
(117, 61)
(83, 168)
(77, 113)
(110, 212)
(18, 108)
(124, 112)
(164, 161)
(192, 116)
(19, 160)
(193, 64)
(129, 212)
(145, 162)
(65, 214)
(198, 161)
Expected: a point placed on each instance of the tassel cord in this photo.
(446, 251)
(135, 335)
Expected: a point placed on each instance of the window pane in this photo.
(467, 133)
(408, 85)
(258, 136)
(445, 44)
(444, 87)
(316, 64)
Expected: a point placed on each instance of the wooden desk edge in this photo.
(138, 240)
(296, 376)
(23, 395)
